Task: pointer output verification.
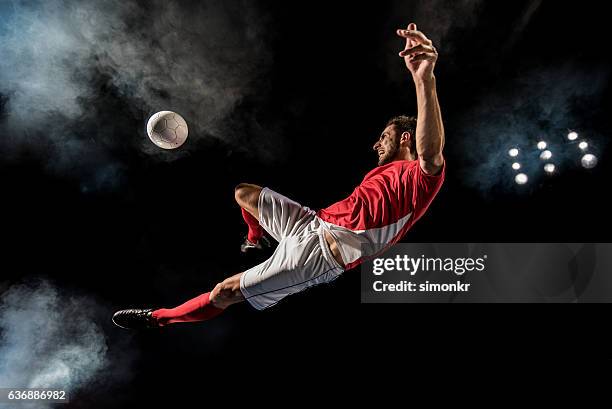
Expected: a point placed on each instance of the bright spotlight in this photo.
(546, 155)
(572, 136)
(542, 145)
(513, 152)
(549, 168)
(583, 145)
(589, 161)
(521, 179)
(516, 166)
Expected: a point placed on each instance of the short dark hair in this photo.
(405, 123)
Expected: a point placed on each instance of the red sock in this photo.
(196, 309)
(255, 229)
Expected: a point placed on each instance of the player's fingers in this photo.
(409, 42)
(414, 35)
(421, 48)
(424, 57)
(411, 26)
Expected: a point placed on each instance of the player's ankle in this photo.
(253, 239)
(157, 316)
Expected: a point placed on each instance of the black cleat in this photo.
(135, 318)
(263, 243)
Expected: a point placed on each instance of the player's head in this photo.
(397, 140)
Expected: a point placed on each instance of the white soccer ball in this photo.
(167, 129)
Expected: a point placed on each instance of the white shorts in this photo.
(302, 258)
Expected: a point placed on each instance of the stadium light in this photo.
(546, 155)
(589, 161)
(521, 179)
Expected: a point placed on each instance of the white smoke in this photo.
(60, 60)
(48, 339)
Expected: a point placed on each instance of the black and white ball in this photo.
(167, 129)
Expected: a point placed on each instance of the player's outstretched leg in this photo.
(247, 197)
(200, 308)
(197, 309)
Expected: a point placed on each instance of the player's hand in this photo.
(419, 54)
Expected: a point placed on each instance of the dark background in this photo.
(172, 229)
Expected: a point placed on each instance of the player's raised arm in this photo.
(420, 56)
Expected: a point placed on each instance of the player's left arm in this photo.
(420, 57)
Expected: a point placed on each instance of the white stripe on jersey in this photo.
(355, 244)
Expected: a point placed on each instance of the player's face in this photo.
(388, 145)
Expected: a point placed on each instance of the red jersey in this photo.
(385, 205)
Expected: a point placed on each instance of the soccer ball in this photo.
(167, 129)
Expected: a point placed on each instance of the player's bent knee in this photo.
(247, 195)
(240, 193)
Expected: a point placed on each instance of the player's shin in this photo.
(255, 229)
(197, 309)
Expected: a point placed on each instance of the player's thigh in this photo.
(247, 197)
(297, 263)
(281, 216)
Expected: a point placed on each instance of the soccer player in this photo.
(317, 246)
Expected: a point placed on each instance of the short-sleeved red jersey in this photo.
(385, 205)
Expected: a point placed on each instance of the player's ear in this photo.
(405, 138)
